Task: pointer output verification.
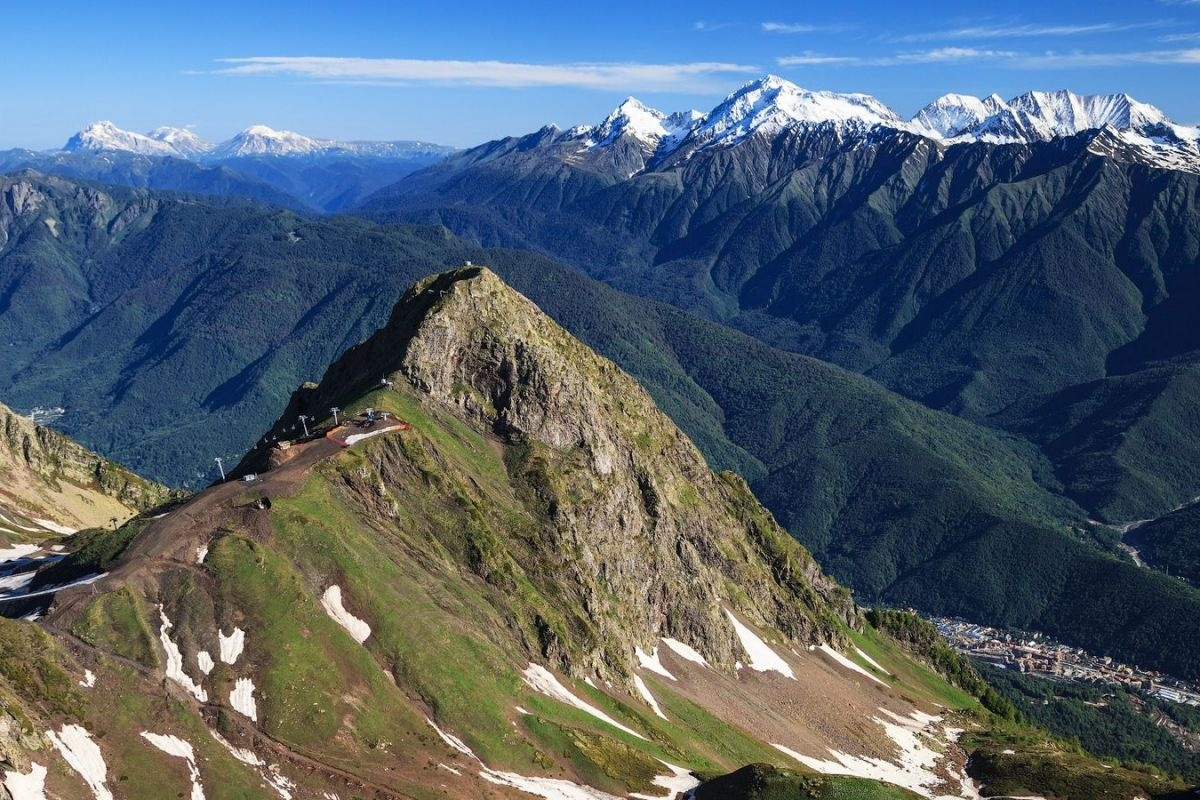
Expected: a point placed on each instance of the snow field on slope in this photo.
(76, 747)
(847, 663)
(542, 680)
(174, 746)
(762, 657)
(27, 785)
(644, 691)
(556, 788)
(331, 601)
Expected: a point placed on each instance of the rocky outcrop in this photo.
(49, 476)
(636, 533)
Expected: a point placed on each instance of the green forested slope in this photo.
(220, 312)
(972, 278)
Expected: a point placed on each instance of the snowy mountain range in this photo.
(771, 105)
(764, 107)
(255, 141)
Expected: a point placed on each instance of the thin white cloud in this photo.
(809, 58)
(801, 27)
(939, 55)
(1007, 58)
(1028, 31)
(692, 76)
(787, 27)
(1078, 59)
(704, 26)
(1180, 37)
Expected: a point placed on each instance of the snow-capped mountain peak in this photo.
(1033, 116)
(771, 104)
(105, 136)
(1063, 113)
(994, 103)
(951, 114)
(183, 140)
(260, 140)
(633, 118)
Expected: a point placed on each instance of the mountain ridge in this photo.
(255, 140)
(482, 592)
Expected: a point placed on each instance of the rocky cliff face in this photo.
(49, 477)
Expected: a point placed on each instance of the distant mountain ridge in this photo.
(281, 168)
(256, 140)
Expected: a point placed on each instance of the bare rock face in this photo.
(46, 474)
(636, 530)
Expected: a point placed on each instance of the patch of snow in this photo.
(242, 699)
(76, 747)
(644, 691)
(55, 527)
(89, 679)
(685, 652)
(331, 601)
(9, 521)
(913, 767)
(27, 785)
(58, 587)
(762, 657)
(449, 769)
(279, 782)
(870, 660)
(452, 740)
(546, 788)
(526, 712)
(205, 662)
(678, 781)
(919, 717)
(542, 680)
(201, 553)
(231, 645)
(11, 583)
(16, 551)
(652, 663)
(847, 663)
(588, 680)
(355, 438)
(174, 746)
(175, 660)
(282, 786)
(240, 753)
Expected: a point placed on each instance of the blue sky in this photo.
(461, 73)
